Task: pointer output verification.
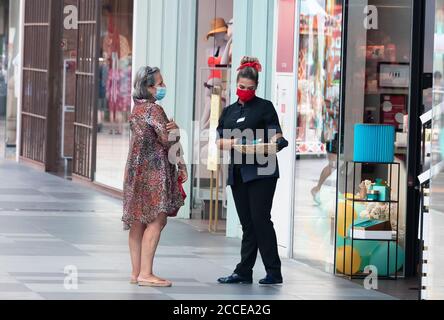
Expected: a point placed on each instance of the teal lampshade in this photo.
(374, 143)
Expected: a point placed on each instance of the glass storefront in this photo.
(377, 89)
(213, 78)
(434, 221)
(318, 102)
(4, 76)
(115, 85)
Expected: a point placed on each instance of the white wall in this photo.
(284, 93)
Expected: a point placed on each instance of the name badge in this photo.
(241, 120)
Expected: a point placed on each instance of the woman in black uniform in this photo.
(251, 120)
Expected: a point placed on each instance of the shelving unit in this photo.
(349, 236)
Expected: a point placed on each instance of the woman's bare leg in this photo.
(326, 173)
(150, 243)
(135, 244)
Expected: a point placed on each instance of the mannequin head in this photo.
(220, 37)
(230, 28)
(218, 29)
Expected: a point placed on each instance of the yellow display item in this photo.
(347, 251)
(345, 212)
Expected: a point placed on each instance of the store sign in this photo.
(371, 21)
(72, 17)
(286, 36)
(394, 75)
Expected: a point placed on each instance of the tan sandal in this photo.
(155, 284)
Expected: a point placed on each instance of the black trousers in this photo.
(254, 201)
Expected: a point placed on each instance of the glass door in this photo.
(318, 102)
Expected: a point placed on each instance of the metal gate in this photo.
(35, 80)
(41, 67)
(85, 126)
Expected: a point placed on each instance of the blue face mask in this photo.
(161, 93)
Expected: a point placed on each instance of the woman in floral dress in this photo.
(153, 177)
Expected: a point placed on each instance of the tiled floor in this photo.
(49, 226)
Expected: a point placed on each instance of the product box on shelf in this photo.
(384, 192)
(373, 230)
(382, 189)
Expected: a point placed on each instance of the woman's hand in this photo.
(172, 126)
(226, 144)
(173, 129)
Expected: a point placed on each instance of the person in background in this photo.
(330, 138)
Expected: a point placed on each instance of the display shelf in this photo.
(374, 163)
(372, 201)
(362, 276)
(349, 230)
(376, 240)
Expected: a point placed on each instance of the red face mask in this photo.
(246, 95)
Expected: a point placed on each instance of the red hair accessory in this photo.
(254, 65)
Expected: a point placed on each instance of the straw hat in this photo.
(218, 25)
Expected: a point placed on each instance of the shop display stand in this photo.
(354, 201)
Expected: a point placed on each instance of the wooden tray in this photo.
(260, 149)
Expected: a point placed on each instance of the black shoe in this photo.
(270, 280)
(235, 279)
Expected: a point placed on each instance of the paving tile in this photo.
(109, 287)
(105, 296)
(20, 296)
(13, 287)
(219, 297)
(20, 192)
(39, 248)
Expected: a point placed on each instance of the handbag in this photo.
(181, 189)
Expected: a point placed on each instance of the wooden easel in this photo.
(214, 167)
(214, 205)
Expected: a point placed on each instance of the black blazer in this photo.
(255, 120)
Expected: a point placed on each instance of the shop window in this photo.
(213, 81)
(376, 92)
(115, 84)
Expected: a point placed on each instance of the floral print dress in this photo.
(151, 184)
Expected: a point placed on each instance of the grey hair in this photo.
(145, 78)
